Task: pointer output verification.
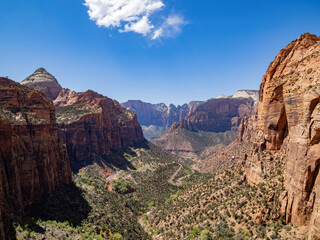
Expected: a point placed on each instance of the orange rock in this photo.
(91, 124)
(288, 120)
(33, 162)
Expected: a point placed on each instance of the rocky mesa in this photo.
(217, 115)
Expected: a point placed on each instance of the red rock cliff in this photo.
(92, 124)
(289, 121)
(33, 162)
(217, 115)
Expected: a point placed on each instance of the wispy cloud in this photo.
(170, 27)
(134, 16)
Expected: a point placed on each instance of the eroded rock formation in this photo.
(288, 122)
(217, 115)
(91, 124)
(212, 122)
(33, 162)
(44, 82)
(156, 119)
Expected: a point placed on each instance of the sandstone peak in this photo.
(254, 94)
(308, 36)
(41, 70)
(43, 81)
(221, 96)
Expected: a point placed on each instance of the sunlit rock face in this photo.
(156, 119)
(288, 122)
(91, 124)
(43, 81)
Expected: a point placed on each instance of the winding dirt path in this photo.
(174, 175)
(179, 183)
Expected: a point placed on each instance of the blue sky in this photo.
(212, 47)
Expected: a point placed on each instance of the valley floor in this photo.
(156, 196)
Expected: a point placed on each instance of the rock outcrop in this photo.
(93, 125)
(247, 129)
(33, 162)
(254, 94)
(212, 122)
(217, 115)
(156, 119)
(288, 123)
(43, 81)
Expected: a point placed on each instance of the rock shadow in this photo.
(66, 204)
(115, 160)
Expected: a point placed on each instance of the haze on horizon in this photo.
(171, 51)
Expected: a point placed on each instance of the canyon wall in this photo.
(156, 119)
(33, 161)
(91, 124)
(217, 115)
(288, 123)
(211, 123)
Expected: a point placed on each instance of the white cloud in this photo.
(157, 34)
(143, 26)
(133, 15)
(170, 27)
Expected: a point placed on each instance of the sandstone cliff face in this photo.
(289, 123)
(44, 82)
(33, 162)
(156, 119)
(91, 124)
(247, 129)
(217, 115)
(212, 122)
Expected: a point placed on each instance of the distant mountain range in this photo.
(156, 119)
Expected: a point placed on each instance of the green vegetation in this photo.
(71, 113)
(224, 207)
(95, 208)
(198, 141)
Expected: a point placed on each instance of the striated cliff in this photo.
(156, 119)
(91, 124)
(44, 82)
(33, 161)
(288, 124)
(211, 123)
(217, 115)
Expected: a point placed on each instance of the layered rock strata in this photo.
(91, 124)
(33, 161)
(156, 119)
(217, 115)
(288, 123)
(44, 82)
